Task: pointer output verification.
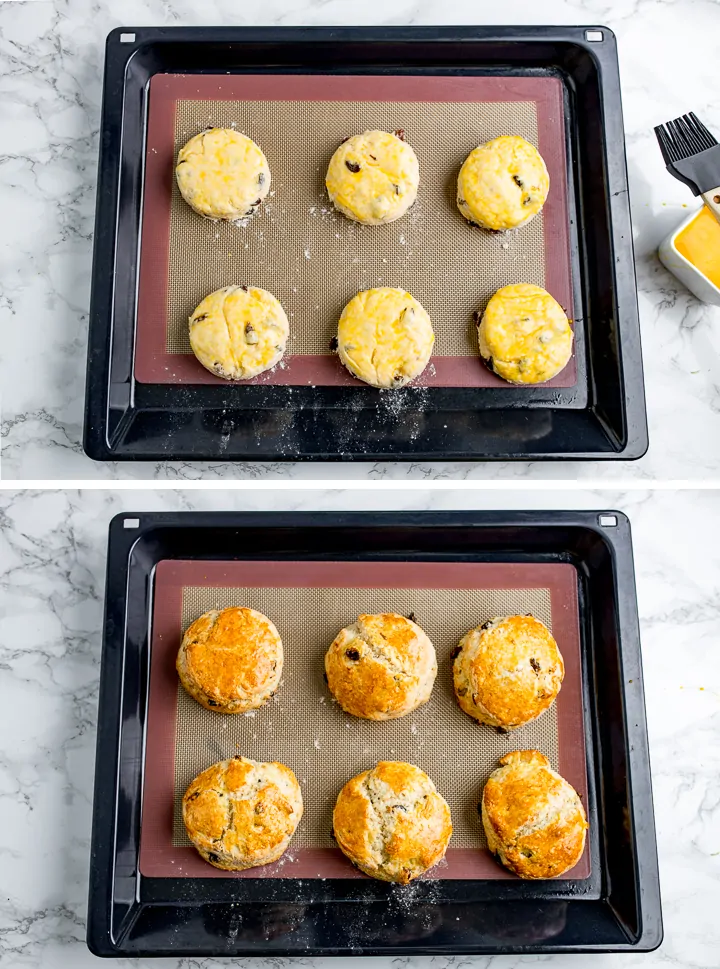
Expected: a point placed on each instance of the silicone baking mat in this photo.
(302, 727)
(314, 259)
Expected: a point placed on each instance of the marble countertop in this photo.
(51, 54)
(52, 560)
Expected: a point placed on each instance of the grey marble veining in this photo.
(51, 54)
(52, 549)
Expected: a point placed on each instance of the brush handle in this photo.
(712, 200)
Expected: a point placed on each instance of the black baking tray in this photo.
(603, 417)
(617, 908)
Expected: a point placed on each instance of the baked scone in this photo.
(507, 671)
(502, 184)
(391, 822)
(239, 332)
(385, 337)
(240, 813)
(524, 335)
(222, 174)
(534, 820)
(381, 667)
(373, 177)
(231, 661)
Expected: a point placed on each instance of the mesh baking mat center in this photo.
(314, 259)
(303, 728)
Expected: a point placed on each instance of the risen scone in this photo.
(502, 184)
(240, 813)
(238, 332)
(381, 667)
(534, 820)
(373, 177)
(507, 671)
(231, 661)
(385, 337)
(524, 335)
(222, 174)
(391, 822)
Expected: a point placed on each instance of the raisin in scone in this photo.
(222, 174)
(373, 177)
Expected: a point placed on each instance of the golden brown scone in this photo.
(240, 813)
(381, 667)
(231, 661)
(507, 671)
(391, 822)
(534, 820)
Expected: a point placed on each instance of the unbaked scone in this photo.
(222, 174)
(391, 822)
(239, 332)
(502, 184)
(240, 813)
(381, 667)
(385, 337)
(507, 671)
(534, 820)
(231, 661)
(524, 335)
(373, 177)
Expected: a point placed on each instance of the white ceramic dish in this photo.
(697, 282)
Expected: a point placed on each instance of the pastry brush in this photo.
(692, 155)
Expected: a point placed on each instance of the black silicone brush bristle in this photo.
(691, 153)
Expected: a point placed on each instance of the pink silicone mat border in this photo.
(153, 364)
(160, 858)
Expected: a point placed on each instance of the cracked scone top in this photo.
(240, 813)
(534, 820)
(502, 184)
(222, 174)
(231, 661)
(524, 335)
(507, 671)
(391, 822)
(373, 177)
(381, 667)
(239, 332)
(385, 337)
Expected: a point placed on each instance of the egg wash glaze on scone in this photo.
(391, 822)
(222, 174)
(373, 177)
(385, 337)
(534, 820)
(241, 813)
(231, 661)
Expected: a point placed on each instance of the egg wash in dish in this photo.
(508, 671)
(385, 337)
(524, 335)
(373, 177)
(239, 332)
(381, 667)
(222, 174)
(231, 661)
(240, 813)
(391, 822)
(534, 820)
(502, 184)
